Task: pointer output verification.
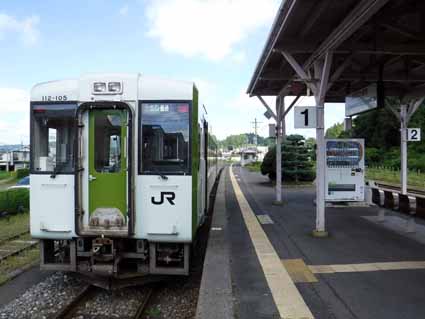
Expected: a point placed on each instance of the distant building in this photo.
(248, 156)
(16, 159)
(252, 154)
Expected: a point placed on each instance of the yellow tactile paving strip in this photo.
(264, 219)
(298, 270)
(286, 296)
(396, 265)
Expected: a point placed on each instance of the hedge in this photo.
(14, 200)
(22, 172)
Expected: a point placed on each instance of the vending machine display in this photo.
(344, 170)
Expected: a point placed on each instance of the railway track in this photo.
(411, 191)
(15, 245)
(12, 237)
(75, 309)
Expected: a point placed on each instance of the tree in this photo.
(381, 131)
(240, 140)
(335, 130)
(297, 162)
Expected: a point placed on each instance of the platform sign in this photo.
(268, 114)
(305, 117)
(414, 134)
(363, 100)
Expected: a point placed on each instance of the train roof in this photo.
(135, 86)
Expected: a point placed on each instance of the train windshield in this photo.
(165, 138)
(52, 138)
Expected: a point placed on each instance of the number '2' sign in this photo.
(414, 134)
(305, 117)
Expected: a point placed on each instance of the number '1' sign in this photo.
(305, 117)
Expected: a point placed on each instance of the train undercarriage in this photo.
(115, 262)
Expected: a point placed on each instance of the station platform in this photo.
(263, 262)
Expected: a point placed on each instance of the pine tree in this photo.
(297, 160)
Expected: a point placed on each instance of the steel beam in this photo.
(267, 106)
(402, 31)
(290, 107)
(387, 47)
(413, 108)
(291, 5)
(357, 17)
(299, 70)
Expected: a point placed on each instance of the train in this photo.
(121, 172)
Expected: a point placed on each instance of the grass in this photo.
(4, 175)
(11, 264)
(414, 179)
(15, 224)
(11, 226)
(7, 177)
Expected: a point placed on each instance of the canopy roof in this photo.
(371, 41)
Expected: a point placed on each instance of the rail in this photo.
(14, 246)
(411, 204)
(89, 292)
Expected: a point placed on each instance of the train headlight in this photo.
(99, 87)
(114, 87)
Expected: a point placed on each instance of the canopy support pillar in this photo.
(279, 106)
(406, 112)
(322, 69)
(319, 85)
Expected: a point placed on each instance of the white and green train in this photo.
(122, 166)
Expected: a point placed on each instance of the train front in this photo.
(112, 177)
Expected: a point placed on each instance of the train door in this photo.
(107, 177)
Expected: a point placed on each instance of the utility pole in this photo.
(255, 123)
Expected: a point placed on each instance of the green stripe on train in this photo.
(195, 160)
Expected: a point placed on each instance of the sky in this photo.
(215, 43)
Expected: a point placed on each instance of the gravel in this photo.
(175, 300)
(112, 304)
(44, 299)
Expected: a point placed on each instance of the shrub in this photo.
(22, 172)
(14, 200)
(373, 156)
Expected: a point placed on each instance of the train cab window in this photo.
(164, 139)
(53, 134)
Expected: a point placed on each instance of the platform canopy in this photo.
(371, 41)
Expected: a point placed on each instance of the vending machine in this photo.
(344, 170)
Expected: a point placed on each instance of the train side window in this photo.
(52, 138)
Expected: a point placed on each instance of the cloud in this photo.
(123, 10)
(235, 115)
(25, 28)
(207, 28)
(245, 103)
(14, 115)
(238, 57)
